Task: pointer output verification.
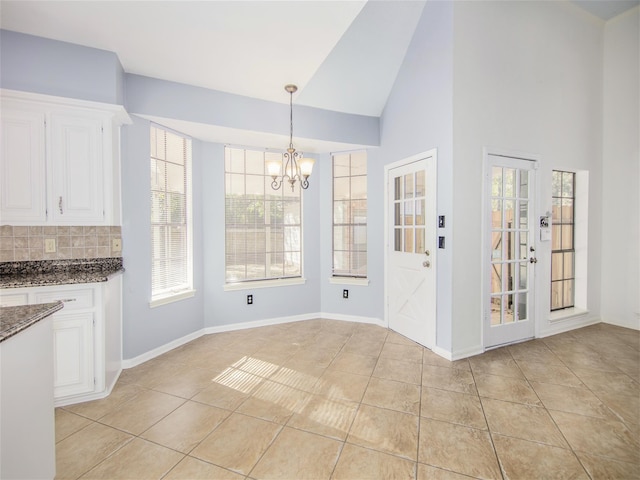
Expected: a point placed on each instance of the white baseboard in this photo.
(132, 362)
(442, 352)
(63, 402)
(631, 325)
(353, 318)
(467, 352)
(260, 323)
(567, 325)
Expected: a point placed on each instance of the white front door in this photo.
(411, 248)
(509, 250)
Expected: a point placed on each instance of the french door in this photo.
(509, 250)
(411, 248)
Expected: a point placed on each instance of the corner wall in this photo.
(621, 172)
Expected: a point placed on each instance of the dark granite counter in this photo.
(16, 319)
(58, 272)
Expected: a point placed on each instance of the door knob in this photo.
(533, 260)
(427, 253)
(426, 263)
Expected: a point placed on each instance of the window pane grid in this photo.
(350, 215)
(562, 240)
(170, 204)
(263, 227)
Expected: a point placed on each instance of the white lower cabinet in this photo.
(87, 336)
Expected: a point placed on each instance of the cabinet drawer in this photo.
(72, 299)
(14, 300)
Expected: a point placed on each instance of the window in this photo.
(263, 227)
(563, 240)
(350, 215)
(171, 244)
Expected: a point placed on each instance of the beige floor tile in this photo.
(138, 459)
(187, 383)
(571, 399)
(229, 390)
(522, 421)
(506, 367)
(608, 382)
(193, 469)
(522, 459)
(452, 407)
(625, 407)
(474, 454)
(597, 436)
(385, 430)
(585, 357)
(121, 393)
(535, 351)
(427, 472)
(321, 357)
(83, 450)
(139, 413)
(395, 337)
(68, 423)
(151, 372)
(452, 379)
(274, 402)
(400, 396)
(365, 464)
(606, 468)
(354, 363)
(299, 375)
(399, 370)
(549, 373)
(341, 385)
(404, 352)
(325, 416)
(363, 346)
(506, 388)
(298, 455)
(238, 443)
(186, 426)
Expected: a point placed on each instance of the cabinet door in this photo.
(76, 169)
(22, 167)
(73, 354)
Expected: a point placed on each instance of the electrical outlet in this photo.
(49, 245)
(116, 244)
(249, 299)
(345, 293)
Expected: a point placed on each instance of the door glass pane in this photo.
(397, 239)
(397, 217)
(397, 188)
(408, 213)
(420, 240)
(511, 245)
(408, 185)
(508, 309)
(523, 275)
(496, 278)
(509, 214)
(496, 308)
(496, 213)
(420, 212)
(420, 182)
(522, 306)
(524, 184)
(408, 240)
(496, 182)
(524, 214)
(509, 182)
(496, 245)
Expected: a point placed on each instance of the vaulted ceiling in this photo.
(344, 55)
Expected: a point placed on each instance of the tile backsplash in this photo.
(19, 243)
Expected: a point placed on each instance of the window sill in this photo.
(280, 282)
(566, 314)
(171, 297)
(349, 281)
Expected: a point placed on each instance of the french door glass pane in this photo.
(408, 185)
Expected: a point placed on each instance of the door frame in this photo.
(432, 153)
(486, 222)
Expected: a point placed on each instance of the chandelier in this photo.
(297, 167)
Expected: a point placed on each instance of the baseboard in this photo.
(132, 362)
(442, 353)
(63, 402)
(467, 352)
(567, 325)
(353, 318)
(260, 323)
(624, 324)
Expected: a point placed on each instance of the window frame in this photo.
(351, 277)
(268, 196)
(562, 224)
(186, 290)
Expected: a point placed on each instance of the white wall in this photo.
(528, 78)
(621, 172)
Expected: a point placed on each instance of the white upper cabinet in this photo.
(60, 161)
(22, 167)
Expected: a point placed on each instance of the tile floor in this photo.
(327, 399)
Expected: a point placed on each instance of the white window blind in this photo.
(350, 215)
(171, 270)
(263, 227)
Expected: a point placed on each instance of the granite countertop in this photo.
(58, 272)
(16, 319)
